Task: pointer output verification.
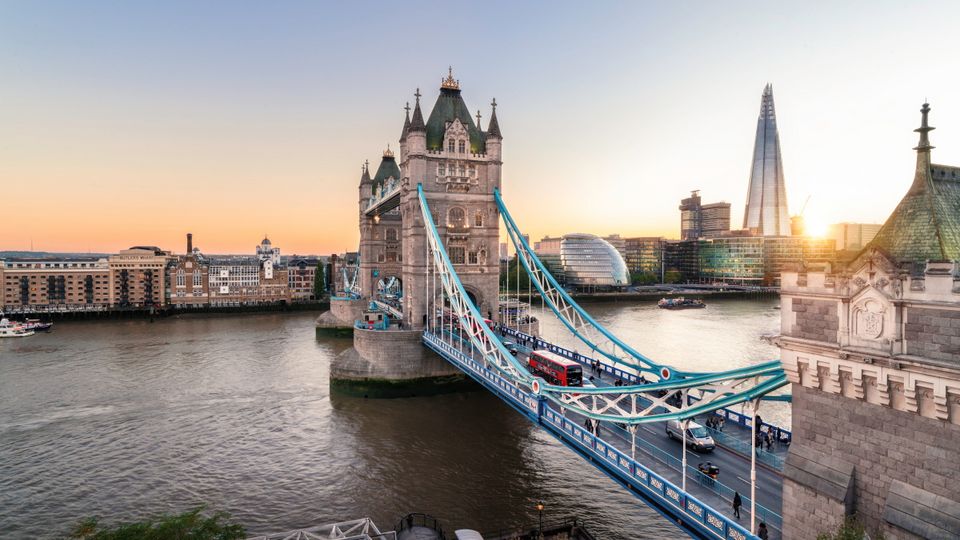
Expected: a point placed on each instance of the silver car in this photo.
(697, 436)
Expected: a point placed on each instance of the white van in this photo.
(697, 436)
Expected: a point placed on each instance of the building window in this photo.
(478, 219)
(456, 217)
(197, 279)
(473, 257)
(457, 254)
(463, 147)
(181, 279)
(450, 145)
(442, 169)
(391, 235)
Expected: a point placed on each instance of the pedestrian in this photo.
(762, 531)
(759, 422)
(737, 501)
(769, 442)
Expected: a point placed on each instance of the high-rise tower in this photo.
(766, 212)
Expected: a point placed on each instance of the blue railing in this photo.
(697, 515)
(632, 377)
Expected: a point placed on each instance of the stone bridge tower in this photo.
(458, 165)
(873, 352)
(381, 254)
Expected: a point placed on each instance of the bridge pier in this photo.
(394, 363)
(339, 320)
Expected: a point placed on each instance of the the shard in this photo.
(766, 213)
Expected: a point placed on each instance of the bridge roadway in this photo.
(664, 455)
(653, 441)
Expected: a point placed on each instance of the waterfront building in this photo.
(591, 262)
(69, 284)
(548, 251)
(301, 277)
(644, 255)
(188, 278)
(504, 254)
(138, 277)
(766, 211)
(703, 220)
(853, 236)
(742, 259)
(871, 350)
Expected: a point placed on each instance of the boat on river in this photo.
(10, 329)
(680, 303)
(37, 325)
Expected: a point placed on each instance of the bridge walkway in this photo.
(663, 454)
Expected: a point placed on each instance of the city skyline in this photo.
(227, 136)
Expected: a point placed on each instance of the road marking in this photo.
(742, 479)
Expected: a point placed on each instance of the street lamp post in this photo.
(753, 468)
(540, 511)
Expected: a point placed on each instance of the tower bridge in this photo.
(429, 225)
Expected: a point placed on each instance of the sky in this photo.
(130, 123)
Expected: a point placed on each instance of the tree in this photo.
(671, 276)
(508, 279)
(191, 524)
(643, 278)
(319, 281)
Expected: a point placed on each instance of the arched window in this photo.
(478, 219)
(197, 278)
(181, 278)
(391, 235)
(450, 145)
(456, 217)
(463, 146)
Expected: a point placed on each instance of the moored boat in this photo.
(680, 303)
(37, 325)
(10, 329)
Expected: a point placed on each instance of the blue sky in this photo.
(134, 122)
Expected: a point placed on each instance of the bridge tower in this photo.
(459, 166)
(380, 234)
(873, 354)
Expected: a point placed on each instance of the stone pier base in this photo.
(394, 363)
(338, 322)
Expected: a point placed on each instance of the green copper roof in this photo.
(925, 226)
(450, 106)
(926, 223)
(388, 167)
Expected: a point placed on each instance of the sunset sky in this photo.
(126, 123)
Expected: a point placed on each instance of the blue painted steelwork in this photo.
(639, 361)
(698, 518)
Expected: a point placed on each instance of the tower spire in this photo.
(406, 123)
(921, 177)
(416, 123)
(493, 128)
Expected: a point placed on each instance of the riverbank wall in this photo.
(162, 312)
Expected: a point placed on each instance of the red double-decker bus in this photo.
(556, 369)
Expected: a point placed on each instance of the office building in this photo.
(853, 236)
(699, 220)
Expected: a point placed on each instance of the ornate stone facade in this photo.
(873, 352)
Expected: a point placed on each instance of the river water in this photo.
(126, 419)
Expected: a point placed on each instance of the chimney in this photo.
(189, 243)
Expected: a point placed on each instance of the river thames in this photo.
(127, 419)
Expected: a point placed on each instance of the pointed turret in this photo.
(766, 211)
(406, 124)
(365, 174)
(493, 128)
(416, 123)
(921, 178)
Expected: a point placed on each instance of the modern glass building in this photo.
(590, 261)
